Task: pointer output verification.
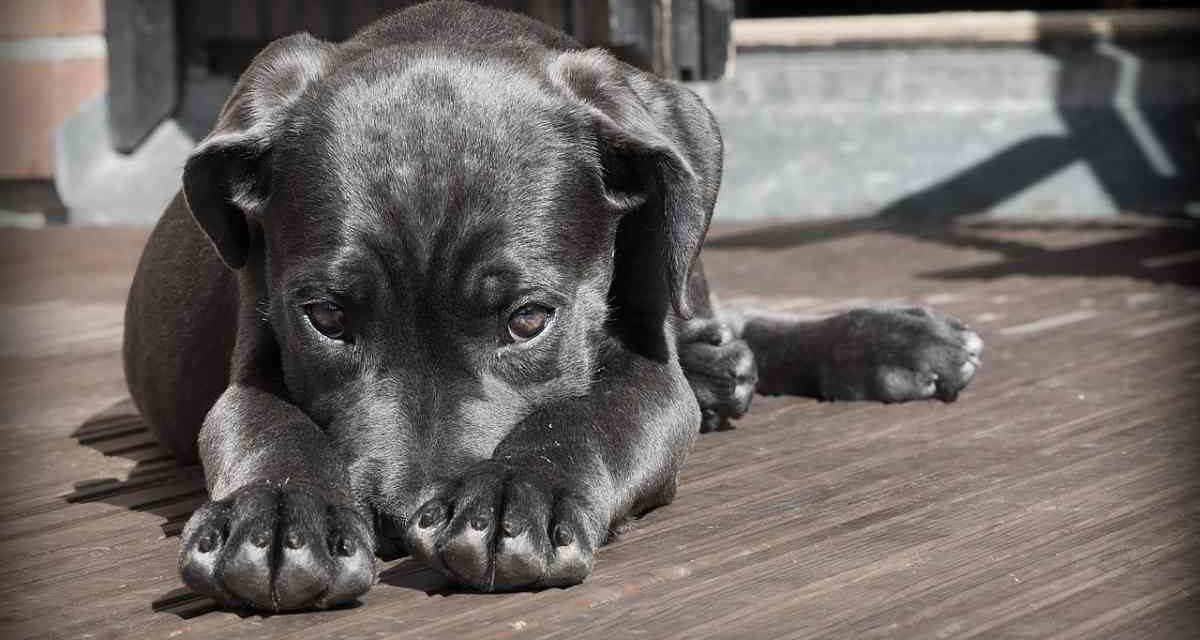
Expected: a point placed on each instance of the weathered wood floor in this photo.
(1060, 497)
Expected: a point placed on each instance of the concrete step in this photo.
(1023, 114)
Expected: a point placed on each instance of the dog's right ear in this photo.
(227, 179)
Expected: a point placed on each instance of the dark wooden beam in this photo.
(687, 39)
(716, 25)
(143, 68)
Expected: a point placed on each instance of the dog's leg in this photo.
(281, 530)
(889, 355)
(179, 331)
(719, 366)
(533, 515)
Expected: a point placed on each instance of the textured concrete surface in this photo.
(98, 185)
(1078, 130)
(1082, 129)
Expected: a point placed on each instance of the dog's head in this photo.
(441, 244)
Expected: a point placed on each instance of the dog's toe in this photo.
(901, 355)
(960, 364)
(973, 345)
(500, 529)
(277, 549)
(720, 369)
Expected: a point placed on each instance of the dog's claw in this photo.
(344, 547)
(563, 536)
(432, 514)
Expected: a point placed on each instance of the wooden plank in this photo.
(1055, 499)
(686, 39)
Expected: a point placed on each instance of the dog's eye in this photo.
(327, 317)
(528, 321)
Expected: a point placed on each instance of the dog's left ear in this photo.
(660, 153)
(226, 181)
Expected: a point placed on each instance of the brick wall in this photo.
(52, 59)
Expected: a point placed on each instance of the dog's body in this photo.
(428, 289)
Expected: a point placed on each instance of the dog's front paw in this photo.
(503, 527)
(277, 548)
(720, 369)
(897, 355)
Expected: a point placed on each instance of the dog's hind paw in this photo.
(277, 548)
(502, 527)
(897, 355)
(720, 369)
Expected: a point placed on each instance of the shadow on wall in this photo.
(1140, 144)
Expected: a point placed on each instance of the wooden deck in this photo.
(1059, 497)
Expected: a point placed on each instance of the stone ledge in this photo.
(966, 27)
(24, 18)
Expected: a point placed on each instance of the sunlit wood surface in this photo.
(1059, 497)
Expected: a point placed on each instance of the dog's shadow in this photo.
(405, 574)
(159, 485)
(156, 484)
(411, 574)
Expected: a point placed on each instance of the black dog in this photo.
(435, 289)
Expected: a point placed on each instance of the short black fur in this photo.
(424, 181)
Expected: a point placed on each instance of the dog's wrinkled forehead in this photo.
(435, 150)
